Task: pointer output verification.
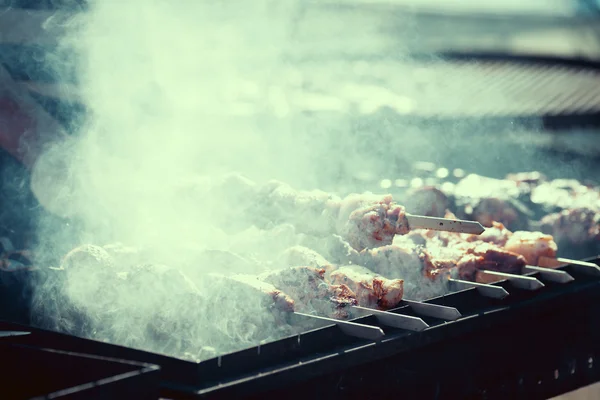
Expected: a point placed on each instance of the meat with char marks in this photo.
(311, 292)
(372, 290)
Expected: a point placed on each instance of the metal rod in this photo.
(444, 224)
(394, 320)
(13, 333)
(580, 266)
(434, 310)
(518, 281)
(550, 274)
(351, 328)
(495, 292)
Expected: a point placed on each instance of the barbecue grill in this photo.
(37, 372)
(528, 336)
(533, 335)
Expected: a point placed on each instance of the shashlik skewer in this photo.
(364, 221)
(445, 224)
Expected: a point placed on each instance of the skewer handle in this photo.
(445, 224)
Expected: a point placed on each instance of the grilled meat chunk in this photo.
(531, 245)
(372, 290)
(575, 227)
(487, 200)
(458, 255)
(494, 258)
(463, 261)
(428, 201)
(371, 223)
(363, 220)
(311, 293)
(391, 261)
(497, 234)
(272, 297)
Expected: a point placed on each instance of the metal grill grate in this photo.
(459, 86)
(503, 88)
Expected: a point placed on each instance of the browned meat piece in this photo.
(372, 290)
(494, 258)
(465, 260)
(492, 209)
(487, 200)
(463, 266)
(531, 245)
(578, 226)
(373, 223)
(392, 260)
(454, 254)
(407, 261)
(428, 201)
(440, 263)
(497, 234)
(363, 220)
(311, 293)
(342, 298)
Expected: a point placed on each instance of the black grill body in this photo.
(531, 344)
(30, 372)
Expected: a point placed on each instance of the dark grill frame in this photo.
(510, 348)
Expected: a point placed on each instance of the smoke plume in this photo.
(178, 95)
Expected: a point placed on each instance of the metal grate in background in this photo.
(457, 86)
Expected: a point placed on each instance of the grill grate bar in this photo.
(495, 292)
(4, 333)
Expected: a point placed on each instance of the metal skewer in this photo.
(349, 328)
(433, 310)
(495, 292)
(13, 333)
(550, 274)
(444, 224)
(394, 320)
(581, 266)
(519, 281)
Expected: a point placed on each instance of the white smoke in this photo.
(179, 93)
(174, 91)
